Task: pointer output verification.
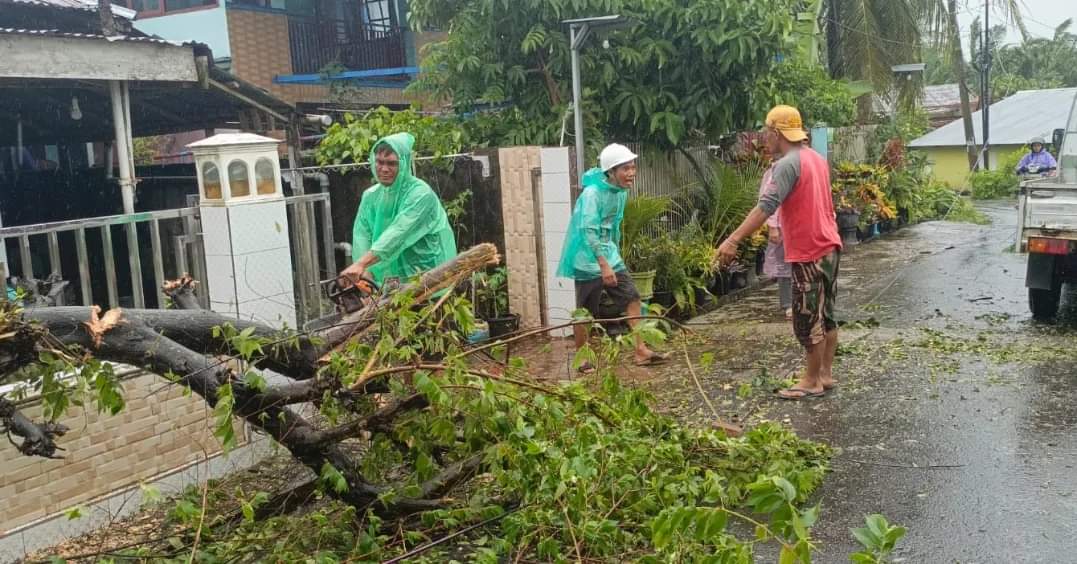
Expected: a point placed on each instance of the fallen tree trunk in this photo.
(182, 343)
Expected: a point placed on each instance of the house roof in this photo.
(936, 99)
(1014, 120)
(110, 38)
(88, 5)
(941, 96)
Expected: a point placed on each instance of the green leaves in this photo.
(223, 428)
(331, 478)
(878, 537)
(687, 60)
(74, 513)
(351, 141)
(248, 507)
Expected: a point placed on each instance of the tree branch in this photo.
(375, 421)
(38, 438)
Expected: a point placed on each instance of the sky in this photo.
(1041, 16)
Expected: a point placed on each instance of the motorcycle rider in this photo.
(1038, 161)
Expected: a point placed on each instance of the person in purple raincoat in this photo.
(1038, 161)
(774, 264)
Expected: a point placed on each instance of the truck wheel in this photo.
(1044, 303)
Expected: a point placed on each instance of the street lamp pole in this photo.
(578, 30)
(577, 34)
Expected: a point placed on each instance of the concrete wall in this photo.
(160, 430)
(951, 164)
(204, 26)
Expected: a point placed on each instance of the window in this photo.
(147, 8)
(299, 7)
(264, 179)
(178, 5)
(379, 14)
(211, 181)
(239, 179)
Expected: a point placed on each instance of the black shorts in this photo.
(589, 293)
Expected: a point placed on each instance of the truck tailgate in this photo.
(1050, 206)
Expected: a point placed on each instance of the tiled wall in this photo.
(518, 212)
(556, 214)
(160, 429)
(249, 263)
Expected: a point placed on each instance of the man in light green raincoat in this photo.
(401, 228)
(591, 255)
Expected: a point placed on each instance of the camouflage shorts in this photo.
(815, 289)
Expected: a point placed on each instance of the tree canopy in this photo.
(1035, 63)
(680, 69)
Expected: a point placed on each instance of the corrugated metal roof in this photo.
(943, 96)
(58, 33)
(1014, 120)
(89, 5)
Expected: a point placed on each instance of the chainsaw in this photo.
(347, 295)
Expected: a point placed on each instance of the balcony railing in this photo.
(316, 43)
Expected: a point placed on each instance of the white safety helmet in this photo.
(615, 155)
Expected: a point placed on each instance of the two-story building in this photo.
(296, 48)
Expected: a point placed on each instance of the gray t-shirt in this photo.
(783, 179)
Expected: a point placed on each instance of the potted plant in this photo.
(491, 298)
(637, 248)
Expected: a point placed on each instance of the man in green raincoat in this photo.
(591, 255)
(401, 228)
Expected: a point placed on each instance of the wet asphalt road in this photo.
(976, 457)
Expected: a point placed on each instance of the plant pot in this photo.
(503, 325)
(751, 278)
(760, 259)
(480, 333)
(738, 281)
(848, 220)
(664, 299)
(644, 282)
(902, 216)
(849, 237)
(703, 297)
(719, 285)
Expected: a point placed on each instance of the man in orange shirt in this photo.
(801, 187)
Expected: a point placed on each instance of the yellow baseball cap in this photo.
(786, 120)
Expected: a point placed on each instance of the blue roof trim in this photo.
(359, 76)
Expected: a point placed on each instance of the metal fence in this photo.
(317, 42)
(672, 175)
(310, 225)
(851, 144)
(84, 252)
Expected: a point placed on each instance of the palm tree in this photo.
(939, 18)
(865, 38)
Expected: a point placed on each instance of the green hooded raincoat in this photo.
(595, 229)
(404, 224)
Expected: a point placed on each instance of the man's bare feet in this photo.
(796, 393)
(647, 357)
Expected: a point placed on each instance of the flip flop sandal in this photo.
(805, 394)
(655, 358)
(587, 368)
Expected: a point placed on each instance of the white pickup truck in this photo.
(1047, 226)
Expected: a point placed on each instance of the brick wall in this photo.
(259, 43)
(260, 52)
(159, 430)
